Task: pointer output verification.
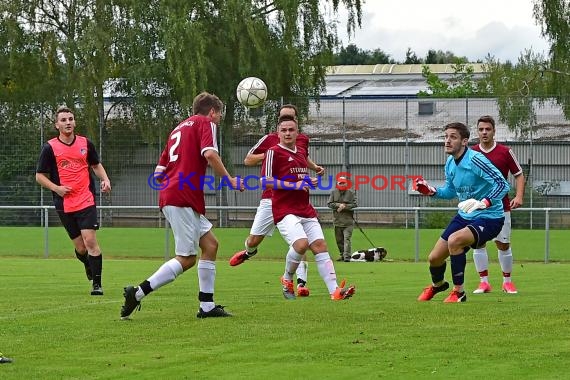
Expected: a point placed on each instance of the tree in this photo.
(71, 42)
(439, 57)
(533, 79)
(353, 55)
(168, 50)
(516, 87)
(158, 55)
(554, 18)
(411, 57)
(461, 85)
(379, 56)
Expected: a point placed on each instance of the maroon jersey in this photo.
(184, 164)
(270, 140)
(288, 165)
(505, 160)
(68, 165)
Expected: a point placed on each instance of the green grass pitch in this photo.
(53, 328)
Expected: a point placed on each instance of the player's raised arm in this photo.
(215, 161)
(253, 159)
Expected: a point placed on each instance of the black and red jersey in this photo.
(68, 165)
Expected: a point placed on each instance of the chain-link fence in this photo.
(389, 138)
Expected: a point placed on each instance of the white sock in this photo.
(164, 275)
(302, 271)
(249, 249)
(291, 263)
(139, 295)
(206, 280)
(506, 261)
(481, 261)
(206, 275)
(326, 270)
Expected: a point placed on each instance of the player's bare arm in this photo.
(100, 172)
(319, 170)
(517, 201)
(215, 161)
(253, 159)
(44, 181)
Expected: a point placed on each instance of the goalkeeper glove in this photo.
(423, 187)
(471, 205)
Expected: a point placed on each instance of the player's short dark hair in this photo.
(62, 109)
(291, 106)
(204, 102)
(459, 127)
(286, 118)
(486, 119)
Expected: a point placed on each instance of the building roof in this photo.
(394, 69)
(385, 80)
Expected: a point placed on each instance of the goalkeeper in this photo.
(480, 188)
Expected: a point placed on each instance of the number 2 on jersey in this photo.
(175, 136)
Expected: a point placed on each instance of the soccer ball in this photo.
(251, 92)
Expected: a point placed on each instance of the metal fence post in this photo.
(166, 240)
(546, 235)
(344, 151)
(467, 111)
(407, 154)
(417, 231)
(46, 232)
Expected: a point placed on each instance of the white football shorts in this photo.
(188, 227)
(263, 224)
(505, 235)
(293, 228)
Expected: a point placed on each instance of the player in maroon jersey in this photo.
(285, 171)
(505, 160)
(190, 148)
(63, 168)
(263, 222)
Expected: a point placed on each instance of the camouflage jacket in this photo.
(345, 217)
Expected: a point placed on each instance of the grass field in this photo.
(528, 245)
(53, 329)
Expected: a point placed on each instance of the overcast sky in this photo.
(503, 28)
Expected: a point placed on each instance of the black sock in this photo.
(96, 264)
(438, 273)
(458, 263)
(82, 257)
(145, 286)
(205, 297)
(301, 282)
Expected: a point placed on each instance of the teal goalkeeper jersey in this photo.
(474, 176)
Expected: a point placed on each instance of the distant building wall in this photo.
(549, 162)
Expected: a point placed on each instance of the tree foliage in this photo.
(353, 55)
(554, 18)
(441, 57)
(412, 58)
(171, 48)
(156, 55)
(517, 87)
(149, 58)
(534, 79)
(462, 83)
